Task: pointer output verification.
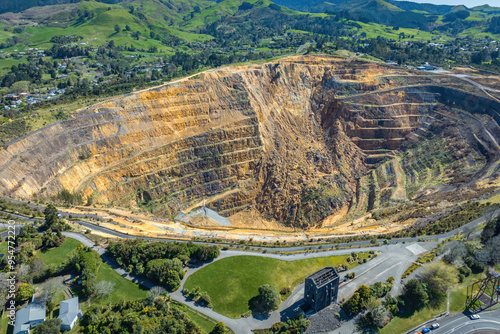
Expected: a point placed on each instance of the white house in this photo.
(29, 317)
(69, 312)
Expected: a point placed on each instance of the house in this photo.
(29, 317)
(69, 312)
(427, 67)
(321, 288)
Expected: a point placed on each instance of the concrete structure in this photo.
(29, 317)
(321, 288)
(69, 312)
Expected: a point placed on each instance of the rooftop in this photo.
(25, 316)
(69, 310)
(323, 276)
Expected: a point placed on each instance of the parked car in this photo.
(426, 330)
(435, 326)
(475, 317)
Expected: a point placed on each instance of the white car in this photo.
(475, 317)
(435, 326)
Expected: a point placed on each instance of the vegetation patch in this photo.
(232, 282)
(57, 256)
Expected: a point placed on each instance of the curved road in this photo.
(460, 323)
(362, 243)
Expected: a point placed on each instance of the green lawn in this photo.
(60, 254)
(205, 323)
(4, 324)
(123, 290)
(3, 247)
(233, 281)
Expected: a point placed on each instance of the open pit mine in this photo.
(301, 143)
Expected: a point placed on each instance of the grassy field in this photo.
(60, 254)
(232, 282)
(124, 289)
(373, 30)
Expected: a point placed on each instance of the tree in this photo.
(89, 282)
(50, 290)
(414, 294)
(380, 316)
(268, 297)
(206, 253)
(23, 272)
(117, 28)
(51, 326)
(50, 214)
(364, 293)
(353, 304)
(439, 277)
(491, 230)
(103, 288)
(20, 87)
(4, 286)
(24, 292)
(37, 267)
(220, 328)
(155, 291)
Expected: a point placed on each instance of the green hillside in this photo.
(67, 55)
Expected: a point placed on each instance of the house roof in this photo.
(68, 311)
(25, 316)
(323, 276)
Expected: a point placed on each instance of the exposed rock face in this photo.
(290, 139)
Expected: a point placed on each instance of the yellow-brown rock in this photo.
(290, 139)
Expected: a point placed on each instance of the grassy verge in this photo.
(3, 247)
(205, 323)
(58, 255)
(123, 290)
(459, 293)
(407, 320)
(232, 282)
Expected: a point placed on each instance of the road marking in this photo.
(363, 273)
(383, 272)
(479, 322)
(416, 249)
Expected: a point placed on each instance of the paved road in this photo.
(460, 323)
(255, 248)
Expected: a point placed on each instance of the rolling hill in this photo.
(20, 5)
(377, 11)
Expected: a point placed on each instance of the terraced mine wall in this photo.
(289, 140)
(471, 103)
